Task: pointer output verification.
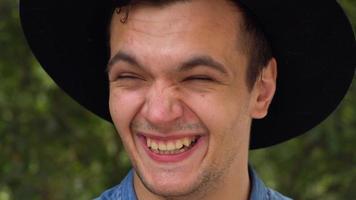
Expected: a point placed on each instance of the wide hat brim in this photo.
(312, 41)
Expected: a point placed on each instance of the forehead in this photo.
(215, 12)
(201, 25)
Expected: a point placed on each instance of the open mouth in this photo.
(172, 146)
(171, 150)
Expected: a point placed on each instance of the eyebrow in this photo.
(195, 61)
(203, 60)
(122, 56)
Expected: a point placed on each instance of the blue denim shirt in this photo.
(125, 190)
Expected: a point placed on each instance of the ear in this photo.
(264, 90)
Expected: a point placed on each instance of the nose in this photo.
(162, 106)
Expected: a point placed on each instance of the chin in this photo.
(172, 189)
(171, 185)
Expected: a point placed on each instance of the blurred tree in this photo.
(51, 148)
(322, 163)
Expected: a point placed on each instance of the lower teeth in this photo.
(170, 152)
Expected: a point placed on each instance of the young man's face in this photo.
(177, 79)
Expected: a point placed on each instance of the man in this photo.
(190, 84)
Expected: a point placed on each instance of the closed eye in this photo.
(126, 76)
(199, 78)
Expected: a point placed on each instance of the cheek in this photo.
(226, 117)
(123, 107)
(221, 109)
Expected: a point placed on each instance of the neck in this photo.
(233, 185)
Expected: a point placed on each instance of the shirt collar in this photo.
(258, 189)
(129, 191)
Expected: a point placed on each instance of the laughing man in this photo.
(191, 85)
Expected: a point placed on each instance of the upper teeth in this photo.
(170, 145)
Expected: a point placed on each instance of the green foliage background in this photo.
(51, 148)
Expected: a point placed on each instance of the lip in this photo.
(167, 138)
(170, 158)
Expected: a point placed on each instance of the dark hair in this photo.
(255, 43)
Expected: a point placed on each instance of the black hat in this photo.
(312, 41)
